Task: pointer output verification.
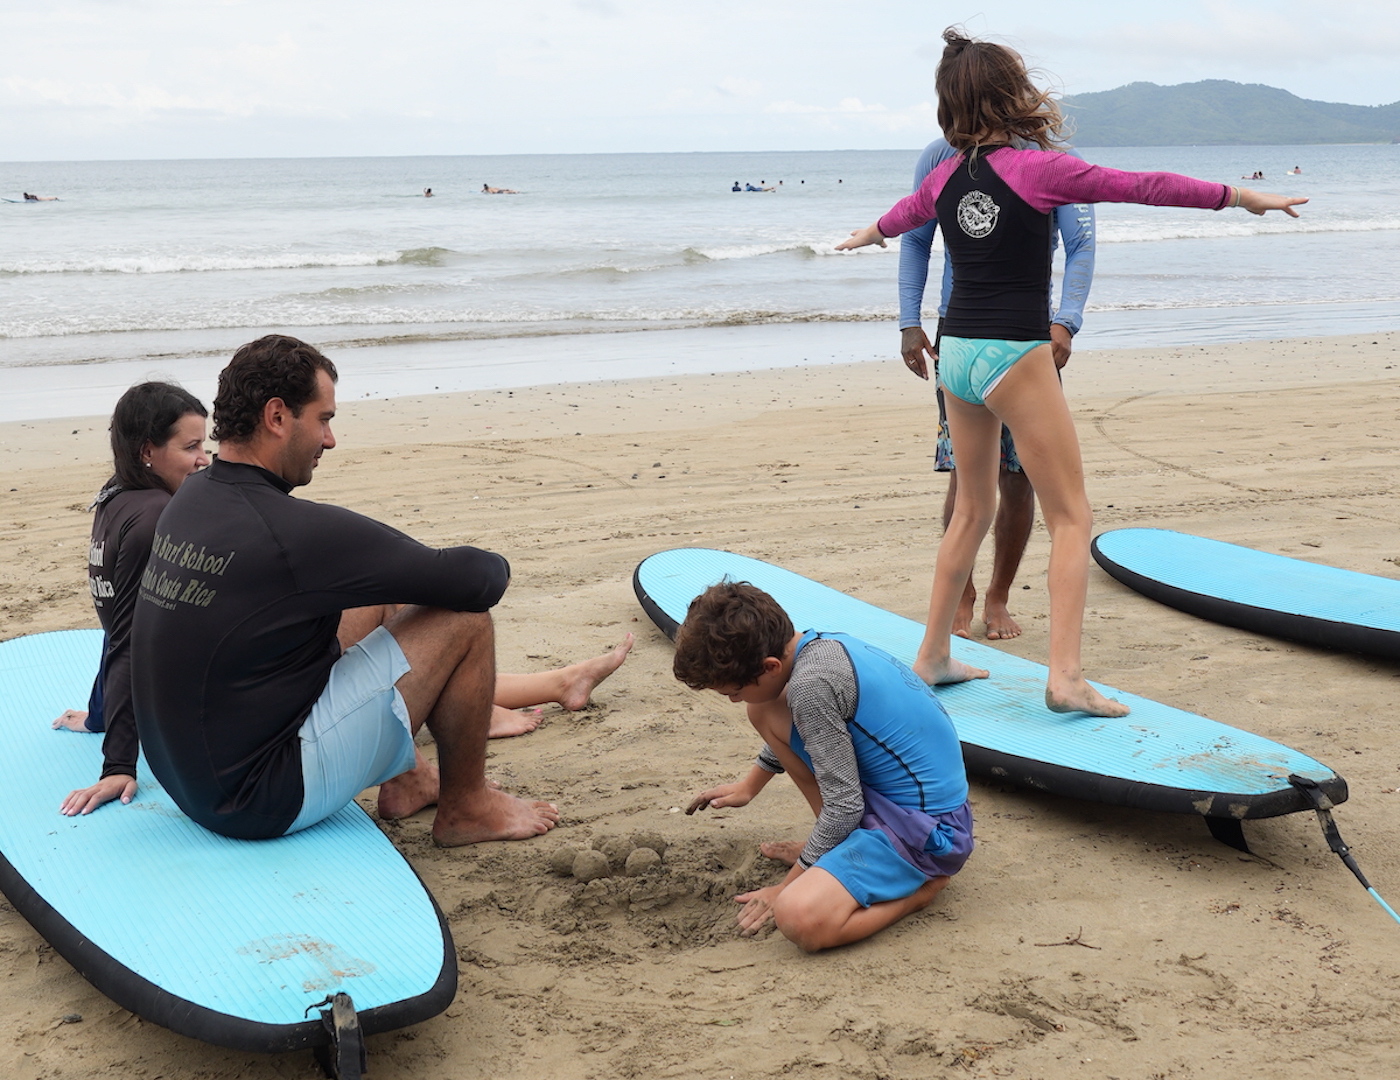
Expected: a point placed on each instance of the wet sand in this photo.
(1081, 940)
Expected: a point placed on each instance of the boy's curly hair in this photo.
(729, 630)
(275, 366)
(985, 95)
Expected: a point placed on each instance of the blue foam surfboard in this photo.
(234, 942)
(1156, 758)
(1257, 591)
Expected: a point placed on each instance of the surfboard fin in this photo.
(343, 1058)
(1229, 831)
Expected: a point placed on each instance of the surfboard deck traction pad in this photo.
(1156, 758)
(233, 942)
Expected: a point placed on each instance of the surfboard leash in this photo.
(1323, 805)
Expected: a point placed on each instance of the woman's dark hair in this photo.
(275, 366)
(147, 413)
(985, 95)
(729, 630)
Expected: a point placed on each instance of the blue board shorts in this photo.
(871, 869)
(971, 368)
(359, 733)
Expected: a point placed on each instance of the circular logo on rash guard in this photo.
(977, 214)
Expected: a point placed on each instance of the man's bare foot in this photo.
(1000, 625)
(581, 679)
(507, 723)
(783, 851)
(71, 720)
(409, 792)
(962, 618)
(1083, 698)
(949, 671)
(493, 815)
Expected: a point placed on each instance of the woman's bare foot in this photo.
(962, 618)
(581, 679)
(1083, 698)
(493, 815)
(507, 723)
(949, 671)
(72, 720)
(783, 851)
(409, 792)
(1000, 625)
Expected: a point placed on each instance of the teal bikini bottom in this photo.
(971, 368)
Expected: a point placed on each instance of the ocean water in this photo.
(158, 265)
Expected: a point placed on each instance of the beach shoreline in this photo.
(1081, 940)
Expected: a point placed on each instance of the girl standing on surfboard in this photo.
(993, 201)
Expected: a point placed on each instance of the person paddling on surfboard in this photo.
(253, 717)
(993, 202)
(866, 742)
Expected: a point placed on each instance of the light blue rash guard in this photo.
(1075, 224)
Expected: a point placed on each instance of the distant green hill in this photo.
(1218, 112)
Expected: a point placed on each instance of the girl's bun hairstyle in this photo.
(986, 97)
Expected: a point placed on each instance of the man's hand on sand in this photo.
(86, 800)
(914, 346)
(1061, 344)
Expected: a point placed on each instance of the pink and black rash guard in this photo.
(995, 213)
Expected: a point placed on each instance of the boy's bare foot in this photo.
(783, 851)
(507, 723)
(1083, 698)
(948, 671)
(581, 679)
(409, 792)
(962, 618)
(71, 720)
(493, 815)
(1000, 625)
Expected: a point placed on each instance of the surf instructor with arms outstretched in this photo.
(254, 718)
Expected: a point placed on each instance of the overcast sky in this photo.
(84, 79)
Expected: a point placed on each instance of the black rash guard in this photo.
(122, 531)
(234, 635)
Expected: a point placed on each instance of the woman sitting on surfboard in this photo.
(158, 433)
(993, 201)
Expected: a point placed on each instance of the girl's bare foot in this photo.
(581, 679)
(783, 851)
(962, 618)
(409, 792)
(493, 815)
(948, 671)
(507, 723)
(1083, 698)
(1000, 625)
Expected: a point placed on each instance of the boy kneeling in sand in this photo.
(866, 742)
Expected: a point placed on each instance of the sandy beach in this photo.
(1080, 940)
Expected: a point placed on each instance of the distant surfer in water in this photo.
(993, 202)
(869, 746)
(427, 193)
(487, 189)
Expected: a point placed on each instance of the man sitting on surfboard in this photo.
(866, 742)
(251, 716)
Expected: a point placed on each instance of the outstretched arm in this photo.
(871, 234)
(1260, 202)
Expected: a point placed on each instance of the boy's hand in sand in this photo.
(758, 909)
(871, 234)
(736, 794)
(914, 345)
(86, 800)
(1259, 202)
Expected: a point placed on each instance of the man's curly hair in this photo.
(729, 630)
(275, 366)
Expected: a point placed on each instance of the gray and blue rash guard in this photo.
(1074, 224)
